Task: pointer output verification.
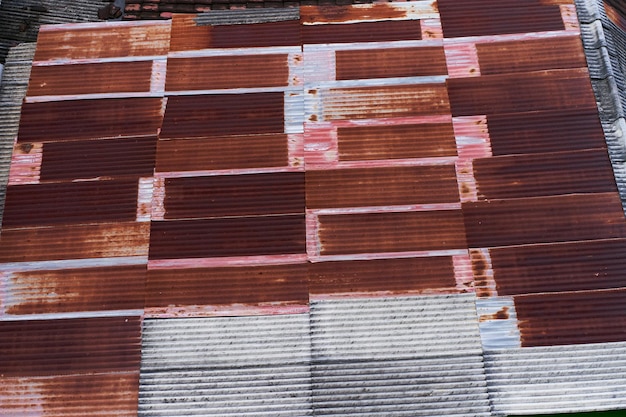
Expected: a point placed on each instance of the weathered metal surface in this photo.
(241, 17)
(315, 15)
(385, 186)
(236, 152)
(52, 121)
(223, 114)
(362, 32)
(234, 195)
(391, 232)
(241, 236)
(544, 219)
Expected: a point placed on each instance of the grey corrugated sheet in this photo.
(13, 88)
(557, 379)
(404, 356)
(240, 17)
(243, 366)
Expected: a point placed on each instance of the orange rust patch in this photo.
(479, 269)
(502, 314)
(337, 14)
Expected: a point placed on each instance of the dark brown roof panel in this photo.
(531, 55)
(67, 203)
(546, 131)
(109, 158)
(241, 236)
(70, 346)
(396, 141)
(235, 152)
(104, 77)
(571, 318)
(234, 195)
(239, 71)
(393, 275)
(535, 175)
(254, 284)
(544, 219)
(492, 17)
(392, 62)
(391, 232)
(80, 289)
(223, 114)
(521, 92)
(87, 119)
(385, 186)
(574, 266)
(75, 242)
(382, 31)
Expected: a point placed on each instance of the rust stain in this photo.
(502, 314)
(25, 147)
(313, 92)
(338, 14)
(479, 269)
(465, 190)
(313, 118)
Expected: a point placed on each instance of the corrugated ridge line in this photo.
(243, 17)
(557, 379)
(14, 84)
(421, 326)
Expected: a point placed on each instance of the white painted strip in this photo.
(73, 263)
(72, 315)
(388, 209)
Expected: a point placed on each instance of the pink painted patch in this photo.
(463, 273)
(26, 164)
(570, 19)
(431, 29)
(462, 60)
(313, 245)
(158, 198)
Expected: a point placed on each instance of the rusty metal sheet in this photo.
(234, 195)
(241, 236)
(534, 175)
(391, 232)
(520, 92)
(75, 242)
(223, 114)
(573, 266)
(544, 219)
(99, 395)
(104, 77)
(430, 274)
(391, 62)
(244, 284)
(93, 41)
(68, 203)
(572, 317)
(70, 346)
(237, 71)
(493, 17)
(367, 12)
(103, 159)
(386, 101)
(543, 131)
(235, 152)
(76, 289)
(101, 118)
(382, 31)
(531, 55)
(396, 141)
(386, 186)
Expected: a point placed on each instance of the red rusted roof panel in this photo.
(86, 119)
(105, 77)
(574, 266)
(531, 55)
(382, 31)
(544, 131)
(392, 62)
(544, 219)
(78, 289)
(103, 159)
(404, 274)
(396, 141)
(223, 114)
(253, 151)
(391, 232)
(187, 35)
(537, 175)
(572, 317)
(493, 17)
(239, 236)
(75, 242)
(247, 284)
(238, 71)
(234, 195)
(67, 203)
(103, 41)
(521, 92)
(329, 13)
(70, 346)
(381, 186)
